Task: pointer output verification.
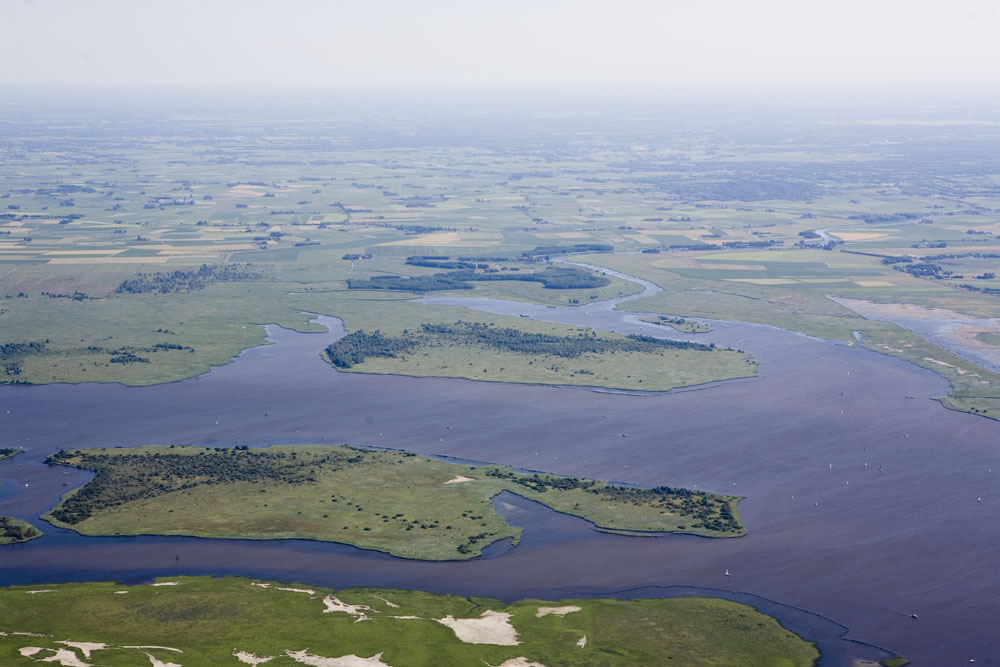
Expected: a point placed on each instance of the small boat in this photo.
(727, 572)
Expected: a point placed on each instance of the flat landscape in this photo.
(579, 339)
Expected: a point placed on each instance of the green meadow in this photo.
(194, 621)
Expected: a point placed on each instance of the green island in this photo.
(14, 530)
(679, 324)
(582, 357)
(400, 503)
(195, 621)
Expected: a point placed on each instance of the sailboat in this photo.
(727, 572)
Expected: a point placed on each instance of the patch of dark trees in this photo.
(188, 281)
(983, 290)
(926, 270)
(357, 346)
(123, 478)
(10, 350)
(16, 531)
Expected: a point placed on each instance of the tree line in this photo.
(188, 281)
(358, 346)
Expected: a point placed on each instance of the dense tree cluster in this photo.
(188, 281)
(7, 452)
(440, 263)
(121, 477)
(11, 350)
(923, 270)
(357, 346)
(12, 530)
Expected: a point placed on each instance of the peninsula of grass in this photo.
(403, 504)
(198, 621)
(512, 354)
(678, 324)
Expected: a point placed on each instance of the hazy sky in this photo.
(505, 42)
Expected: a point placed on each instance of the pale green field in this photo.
(198, 621)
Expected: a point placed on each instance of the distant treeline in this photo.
(551, 278)
(358, 346)
(563, 249)
(538, 344)
(188, 281)
(925, 270)
(872, 218)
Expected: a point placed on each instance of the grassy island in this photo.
(198, 621)
(678, 324)
(485, 351)
(407, 505)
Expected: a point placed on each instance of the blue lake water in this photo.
(865, 545)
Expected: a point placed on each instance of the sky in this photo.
(510, 42)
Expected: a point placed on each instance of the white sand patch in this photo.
(343, 661)
(162, 648)
(961, 371)
(63, 656)
(407, 617)
(48, 590)
(459, 479)
(298, 590)
(31, 634)
(390, 604)
(156, 662)
(261, 585)
(582, 641)
(557, 611)
(358, 610)
(84, 647)
(166, 583)
(520, 661)
(251, 658)
(493, 627)
(120, 592)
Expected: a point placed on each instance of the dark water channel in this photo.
(862, 493)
